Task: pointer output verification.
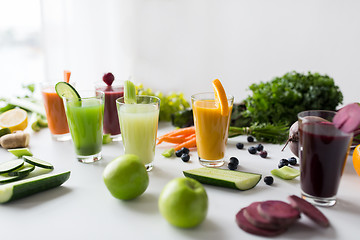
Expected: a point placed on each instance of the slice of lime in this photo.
(64, 89)
(19, 152)
(129, 92)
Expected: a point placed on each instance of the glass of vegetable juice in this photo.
(111, 120)
(211, 128)
(55, 112)
(323, 150)
(85, 118)
(139, 124)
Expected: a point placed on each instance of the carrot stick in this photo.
(188, 144)
(67, 76)
(181, 131)
(172, 140)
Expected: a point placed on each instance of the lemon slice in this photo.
(220, 97)
(14, 119)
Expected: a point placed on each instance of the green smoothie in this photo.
(139, 124)
(86, 123)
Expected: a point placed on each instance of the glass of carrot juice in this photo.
(55, 112)
(211, 128)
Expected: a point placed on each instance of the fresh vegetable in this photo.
(38, 162)
(106, 138)
(286, 173)
(182, 118)
(20, 152)
(168, 153)
(281, 99)
(183, 137)
(309, 210)
(129, 92)
(38, 122)
(30, 186)
(67, 75)
(169, 103)
(262, 132)
(347, 119)
(4, 131)
(6, 178)
(224, 178)
(108, 78)
(23, 171)
(18, 139)
(64, 89)
(14, 119)
(11, 165)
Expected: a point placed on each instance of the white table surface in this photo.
(83, 208)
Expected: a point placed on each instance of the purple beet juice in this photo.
(111, 120)
(323, 154)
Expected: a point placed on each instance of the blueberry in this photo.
(284, 161)
(239, 145)
(178, 153)
(263, 154)
(252, 150)
(232, 166)
(234, 160)
(269, 180)
(260, 147)
(185, 157)
(185, 150)
(250, 138)
(292, 161)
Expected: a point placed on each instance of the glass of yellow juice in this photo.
(211, 128)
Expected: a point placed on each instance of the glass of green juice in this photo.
(85, 119)
(139, 125)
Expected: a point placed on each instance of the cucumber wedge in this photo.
(224, 178)
(38, 162)
(6, 178)
(129, 92)
(30, 186)
(11, 165)
(20, 152)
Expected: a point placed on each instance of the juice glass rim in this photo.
(212, 96)
(96, 95)
(306, 113)
(156, 100)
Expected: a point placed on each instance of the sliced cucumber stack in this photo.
(11, 165)
(224, 178)
(38, 162)
(23, 171)
(129, 92)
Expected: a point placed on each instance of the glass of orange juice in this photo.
(55, 112)
(211, 128)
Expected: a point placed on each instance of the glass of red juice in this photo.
(323, 150)
(111, 121)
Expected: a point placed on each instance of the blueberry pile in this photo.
(183, 153)
(286, 162)
(254, 149)
(233, 163)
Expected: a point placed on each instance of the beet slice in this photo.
(245, 225)
(252, 214)
(278, 211)
(309, 210)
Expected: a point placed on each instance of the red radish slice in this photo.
(252, 214)
(245, 225)
(309, 210)
(278, 211)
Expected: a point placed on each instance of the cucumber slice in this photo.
(38, 162)
(20, 152)
(11, 165)
(5, 178)
(64, 89)
(23, 171)
(30, 186)
(129, 92)
(224, 178)
(286, 173)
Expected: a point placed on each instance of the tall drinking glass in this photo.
(211, 128)
(111, 119)
(55, 112)
(323, 150)
(139, 124)
(85, 118)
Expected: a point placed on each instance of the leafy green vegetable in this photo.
(279, 100)
(182, 118)
(264, 132)
(169, 104)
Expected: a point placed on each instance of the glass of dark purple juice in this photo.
(111, 121)
(323, 150)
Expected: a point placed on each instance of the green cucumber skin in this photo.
(216, 181)
(32, 187)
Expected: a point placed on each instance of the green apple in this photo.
(183, 202)
(126, 177)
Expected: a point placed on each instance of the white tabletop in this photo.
(83, 208)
